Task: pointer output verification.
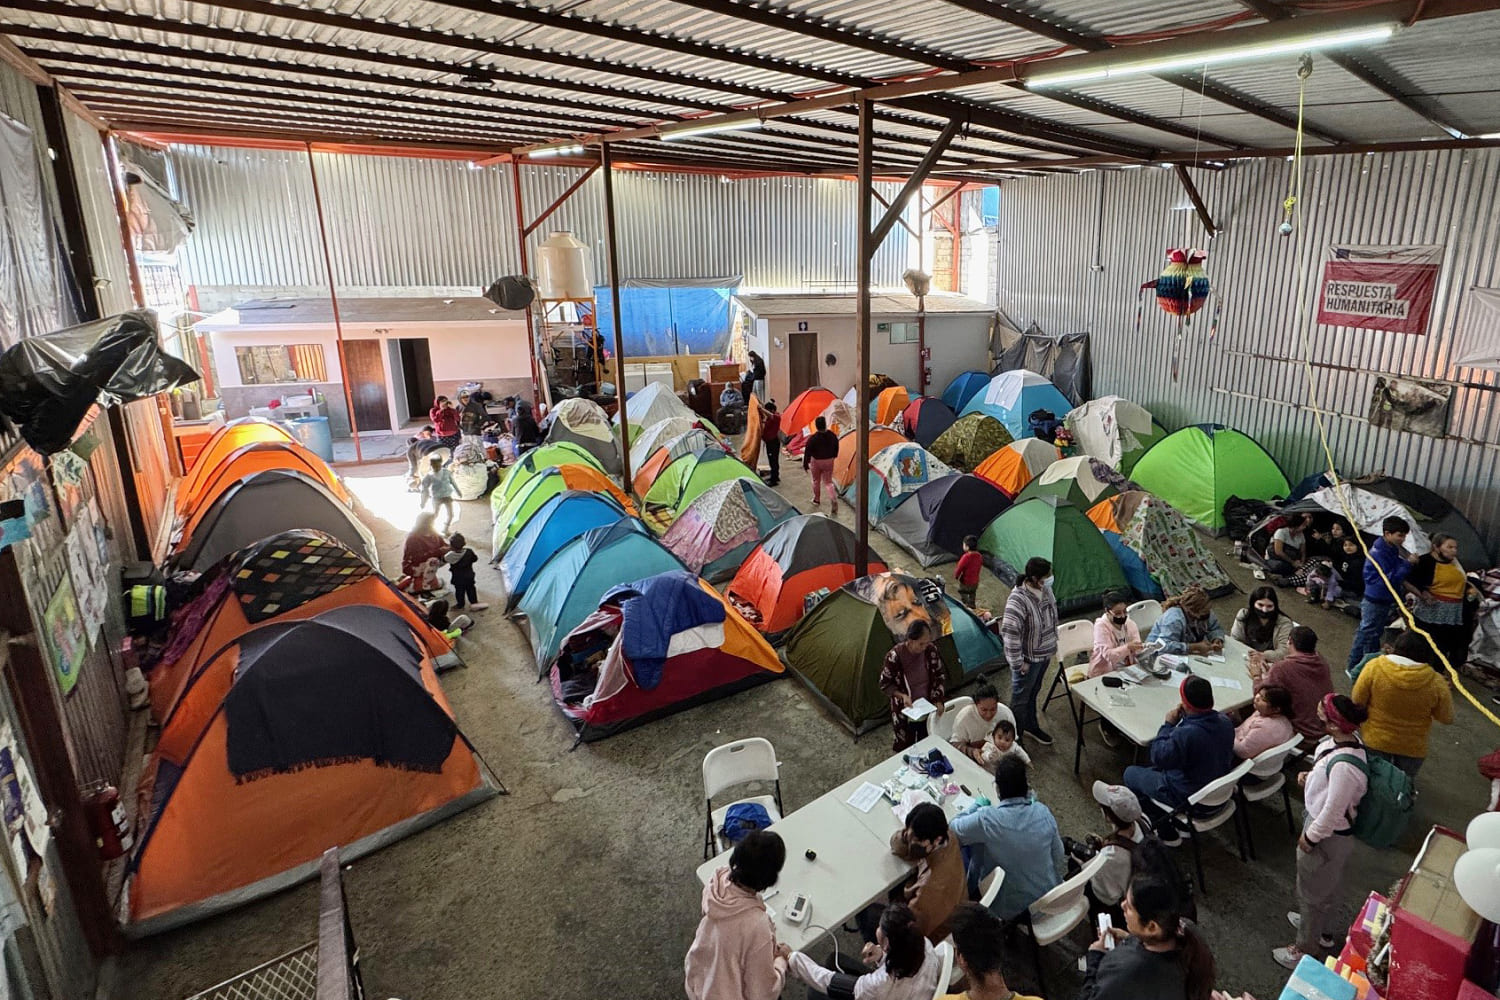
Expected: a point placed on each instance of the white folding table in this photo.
(853, 864)
(1139, 709)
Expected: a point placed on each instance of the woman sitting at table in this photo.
(1188, 625)
(1262, 625)
(900, 965)
(1116, 638)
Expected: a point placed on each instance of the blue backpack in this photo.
(743, 817)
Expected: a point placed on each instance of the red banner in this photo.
(1380, 288)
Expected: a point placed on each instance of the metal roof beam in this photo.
(1092, 43)
(1365, 74)
(1284, 152)
(913, 184)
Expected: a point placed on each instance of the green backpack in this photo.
(1387, 803)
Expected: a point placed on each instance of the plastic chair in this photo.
(945, 951)
(1144, 614)
(989, 888)
(1269, 765)
(1209, 808)
(1054, 916)
(732, 764)
(1074, 639)
(942, 726)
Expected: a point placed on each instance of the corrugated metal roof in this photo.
(881, 304)
(596, 65)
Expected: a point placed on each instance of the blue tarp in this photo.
(668, 319)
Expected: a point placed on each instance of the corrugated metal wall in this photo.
(401, 222)
(1074, 250)
(100, 216)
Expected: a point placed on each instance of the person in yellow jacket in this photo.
(1404, 696)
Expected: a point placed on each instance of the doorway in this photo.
(416, 376)
(365, 374)
(802, 362)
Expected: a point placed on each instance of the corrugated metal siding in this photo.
(100, 216)
(1074, 250)
(400, 221)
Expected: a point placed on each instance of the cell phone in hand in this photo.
(1106, 925)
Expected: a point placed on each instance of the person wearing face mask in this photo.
(1304, 673)
(937, 886)
(1262, 626)
(1440, 586)
(1029, 630)
(1116, 638)
(1187, 625)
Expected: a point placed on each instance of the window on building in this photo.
(901, 333)
(276, 363)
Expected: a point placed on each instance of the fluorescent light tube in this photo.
(1121, 65)
(570, 149)
(683, 132)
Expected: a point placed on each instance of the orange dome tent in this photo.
(843, 467)
(250, 459)
(230, 438)
(296, 574)
(890, 404)
(298, 736)
(804, 409)
(1015, 465)
(798, 556)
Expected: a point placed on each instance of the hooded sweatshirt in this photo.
(733, 955)
(1404, 697)
(1308, 677)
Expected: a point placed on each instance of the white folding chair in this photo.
(1074, 640)
(1054, 916)
(942, 726)
(1144, 614)
(945, 951)
(732, 764)
(989, 888)
(1209, 808)
(1270, 767)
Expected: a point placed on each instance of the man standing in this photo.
(1029, 628)
(770, 437)
(1378, 609)
(1018, 834)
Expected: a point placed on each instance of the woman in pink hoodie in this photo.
(734, 955)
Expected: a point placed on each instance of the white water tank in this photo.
(565, 269)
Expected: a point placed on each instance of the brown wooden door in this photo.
(802, 362)
(364, 371)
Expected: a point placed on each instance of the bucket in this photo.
(314, 434)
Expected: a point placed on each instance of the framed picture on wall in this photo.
(1411, 405)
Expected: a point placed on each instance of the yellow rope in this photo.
(1293, 207)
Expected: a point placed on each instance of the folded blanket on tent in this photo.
(654, 611)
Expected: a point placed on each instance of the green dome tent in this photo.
(1084, 567)
(838, 648)
(1198, 468)
(534, 463)
(687, 476)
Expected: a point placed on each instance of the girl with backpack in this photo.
(1332, 791)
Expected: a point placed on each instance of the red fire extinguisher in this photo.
(107, 818)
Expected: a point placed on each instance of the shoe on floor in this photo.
(1040, 735)
(479, 606)
(1287, 957)
(1109, 735)
(1325, 941)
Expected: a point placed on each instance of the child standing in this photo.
(438, 487)
(461, 559)
(966, 574)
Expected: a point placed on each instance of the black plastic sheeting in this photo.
(47, 384)
(1063, 359)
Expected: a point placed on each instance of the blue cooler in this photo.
(314, 434)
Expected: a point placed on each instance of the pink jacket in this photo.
(1260, 733)
(1332, 794)
(1111, 652)
(733, 955)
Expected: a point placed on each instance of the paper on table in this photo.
(919, 710)
(865, 797)
(1215, 658)
(1227, 682)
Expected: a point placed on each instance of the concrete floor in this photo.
(580, 883)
